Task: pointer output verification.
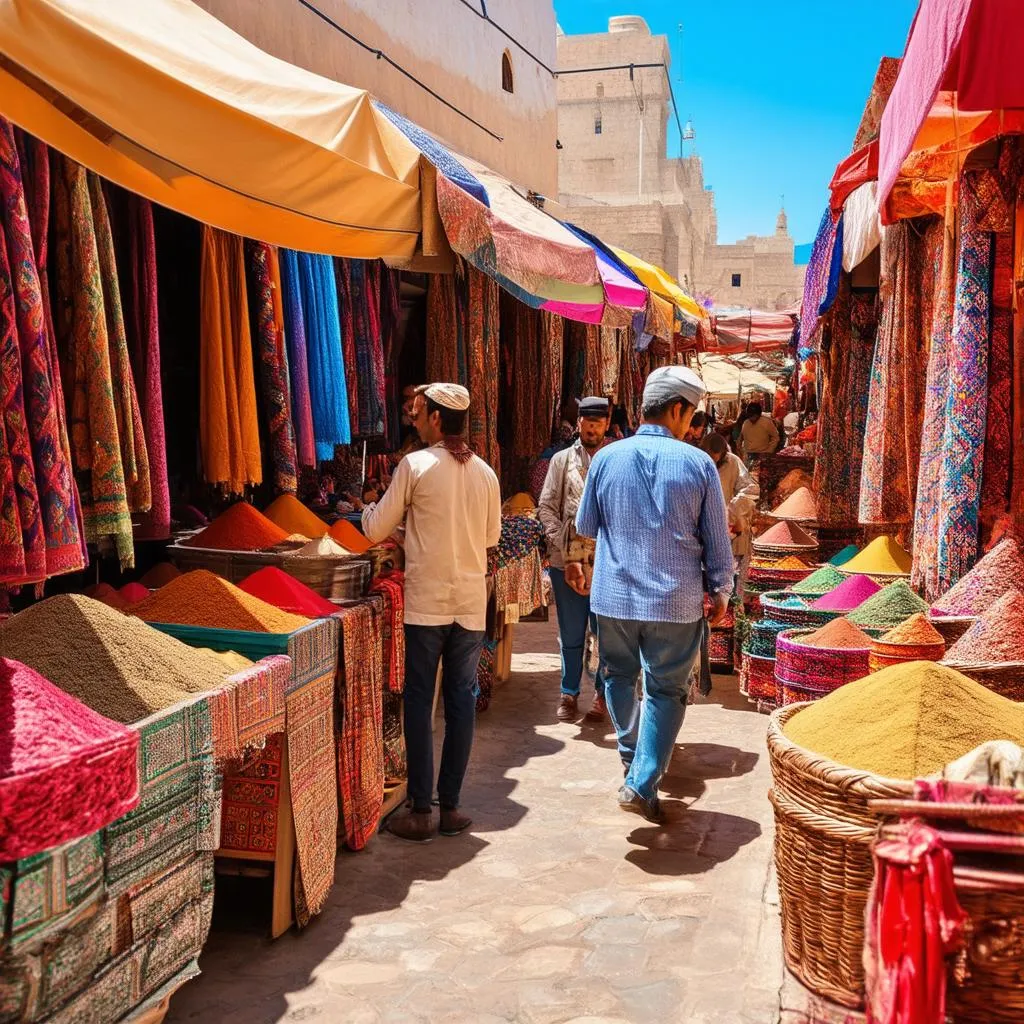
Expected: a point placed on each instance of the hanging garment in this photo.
(346, 311)
(265, 281)
(228, 425)
(369, 345)
(895, 411)
(444, 324)
(298, 365)
(81, 324)
(482, 333)
(390, 322)
(553, 333)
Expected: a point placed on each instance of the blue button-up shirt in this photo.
(656, 509)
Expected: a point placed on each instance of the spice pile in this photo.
(915, 639)
(107, 594)
(160, 575)
(133, 593)
(113, 663)
(882, 557)
(800, 505)
(240, 528)
(844, 556)
(820, 582)
(790, 484)
(325, 547)
(786, 535)
(838, 635)
(276, 587)
(997, 636)
(850, 594)
(293, 517)
(906, 721)
(889, 607)
(1002, 569)
(202, 599)
(345, 534)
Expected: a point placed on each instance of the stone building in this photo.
(616, 179)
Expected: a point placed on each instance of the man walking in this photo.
(451, 504)
(656, 509)
(559, 502)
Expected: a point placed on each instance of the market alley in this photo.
(557, 908)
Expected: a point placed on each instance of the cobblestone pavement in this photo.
(556, 908)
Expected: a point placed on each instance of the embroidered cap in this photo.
(593, 408)
(668, 383)
(451, 396)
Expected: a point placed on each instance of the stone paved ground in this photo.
(557, 908)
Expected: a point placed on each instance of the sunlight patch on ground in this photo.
(536, 662)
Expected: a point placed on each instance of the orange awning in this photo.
(168, 102)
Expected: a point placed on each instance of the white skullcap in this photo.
(451, 396)
(668, 383)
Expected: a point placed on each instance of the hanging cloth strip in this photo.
(390, 318)
(228, 423)
(346, 311)
(369, 345)
(298, 366)
(265, 281)
(80, 324)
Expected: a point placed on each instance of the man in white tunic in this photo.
(451, 503)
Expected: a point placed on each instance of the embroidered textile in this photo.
(343, 278)
(265, 283)
(363, 319)
(252, 797)
(298, 362)
(228, 424)
(895, 411)
(360, 725)
(554, 343)
(817, 280)
(81, 328)
(391, 587)
(390, 319)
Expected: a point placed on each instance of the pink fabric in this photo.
(619, 291)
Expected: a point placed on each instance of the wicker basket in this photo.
(720, 648)
(761, 679)
(823, 834)
(1004, 678)
(760, 641)
(814, 671)
(952, 627)
(800, 618)
(884, 655)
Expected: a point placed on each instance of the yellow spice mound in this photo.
(906, 721)
(882, 556)
(294, 518)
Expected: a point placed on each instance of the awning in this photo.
(968, 47)
(168, 102)
(751, 330)
(662, 283)
(726, 381)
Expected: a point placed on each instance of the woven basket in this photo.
(800, 618)
(823, 834)
(952, 627)
(884, 655)
(720, 648)
(808, 551)
(760, 641)
(761, 679)
(815, 671)
(1004, 678)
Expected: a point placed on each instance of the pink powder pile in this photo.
(848, 595)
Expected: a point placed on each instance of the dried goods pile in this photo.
(202, 599)
(240, 528)
(906, 721)
(820, 582)
(916, 631)
(113, 663)
(133, 593)
(889, 607)
(844, 556)
(1002, 569)
(325, 547)
(276, 587)
(786, 535)
(997, 636)
(850, 594)
(882, 557)
(799, 505)
(294, 518)
(839, 635)
(160, 575)
(350, 538)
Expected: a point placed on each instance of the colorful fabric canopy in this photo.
(167, 101)
(662, 283)
(726, 380)
(752, 330)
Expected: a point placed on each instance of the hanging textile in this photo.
(443, 323)
(575, 373)
(347, 313)
(593, 377)
(631, 381)
(134, 457)
(848, 344)
(553, 334)
(1017, 473)
(327, 391)
(34, 157)
(521, 329)
(822, 279)
(609, 362)
(132, 218)
(482, 333)
(298, 362)
(265, 282)
(228, 423)
(895, 413)
(81, 327)
(363, 281)
(390, 320)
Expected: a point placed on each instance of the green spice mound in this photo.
(889, 607)
(822, 581)
(112, 662)
(906, 721)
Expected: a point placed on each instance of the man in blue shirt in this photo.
(655, 507)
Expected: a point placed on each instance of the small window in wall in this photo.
(737, 280)
(507, 82)
(597, 125)
(600, 90)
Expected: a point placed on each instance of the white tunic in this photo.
(452, 515)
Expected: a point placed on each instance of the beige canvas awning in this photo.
(160, 97)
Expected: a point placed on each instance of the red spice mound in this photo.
(997, 636)
(916, 630)
(1002, 569)
(848, 596)
(107, 594)
(786, 535)
(133, 593)
(276, 587)
(160, 575)
(839, 634)
(240, 528)
(349, 537)
(799, 505)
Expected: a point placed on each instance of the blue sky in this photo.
(775, 90)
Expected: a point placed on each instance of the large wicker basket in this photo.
(773, 607)
(805, 673)
(1004, 678)
(823, 834)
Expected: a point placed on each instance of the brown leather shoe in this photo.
(633, 803)
(598, 710)
(413, 826)
(568, 708)
(452, 823)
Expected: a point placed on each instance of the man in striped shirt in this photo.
(655, 507)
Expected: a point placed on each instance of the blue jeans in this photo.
(573, 617)
(647, 729)
(425, 647)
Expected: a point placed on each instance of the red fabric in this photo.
(746, 330)
(913, 923)
(859, 167)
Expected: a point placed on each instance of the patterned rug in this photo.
(250, 707)
(251, 800)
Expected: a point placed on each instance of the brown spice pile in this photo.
(839, 634)
(916, 631)
(799, 505)
(115, 664)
